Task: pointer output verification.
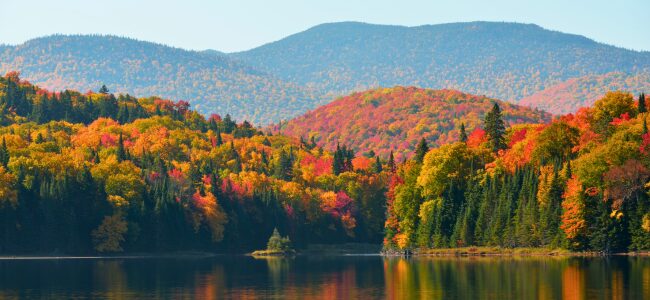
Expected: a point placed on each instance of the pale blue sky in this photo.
(243, 24)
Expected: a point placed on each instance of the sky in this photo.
(239, 25)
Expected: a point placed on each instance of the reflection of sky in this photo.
(243, 24)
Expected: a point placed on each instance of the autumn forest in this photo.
(97, 172)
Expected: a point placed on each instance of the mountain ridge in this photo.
(212, 82)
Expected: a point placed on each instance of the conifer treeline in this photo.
(577, 183)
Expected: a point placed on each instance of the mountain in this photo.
(507, 61)
(568, 96)
(211, 81)
(397, 118)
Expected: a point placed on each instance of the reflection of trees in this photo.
(471, 278)
(573, 282)
(278, 268)
(109, 275)
(334, 278)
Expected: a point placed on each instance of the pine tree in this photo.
(377, 168)
(39, 138)
(4, 153)
(391, 162)
(284, 167)
(103, 89)
(337, 162)
(642, 107)
(121, 153)
(462, 136)
(218, 140)
(421, 150)
(495, 128)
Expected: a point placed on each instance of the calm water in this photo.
(358, 277)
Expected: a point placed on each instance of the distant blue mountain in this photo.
(503, 60)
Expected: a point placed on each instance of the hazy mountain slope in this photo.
(397, 118)
(211, 81)
(504, 60)
(568, 96)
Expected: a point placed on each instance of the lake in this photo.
(334, 277)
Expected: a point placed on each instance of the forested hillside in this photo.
(104, 173)
(209, 80)
(396, 119)
(569, 96)
(97, 172)
(580, 182)
(506, 61)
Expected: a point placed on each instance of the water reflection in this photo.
(358, 277)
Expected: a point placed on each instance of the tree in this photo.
(421, 150)
(4, 153)
(377, 168)
(277, 242)
(391, 162)
(103, 89)
(284, 166)
(8, 192)
(612, 105)
(642, 105)
(462, 135)
(121, 152)
(338, 163)
(218, 141)
(108, 237)
(495, 128)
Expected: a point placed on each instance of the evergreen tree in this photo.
(462, 136)
(391, 162)
(495, 128)
(228, 124)
(284, 167)
(338, 163)
(421, 150)
(4, 153)
(645, 126)
(218, 140)
(39, 138)
(377, 168)
(642, 105)
(121, 153)
(103, 89)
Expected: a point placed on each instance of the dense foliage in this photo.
(506, 61)
(397, 119)
(568, 96)
(579, 182)
(97, 172)
(210, 81)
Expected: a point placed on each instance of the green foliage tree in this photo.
(495, 128)
(4, 153)
(421, 150)
(278, 243)
(462, 136)
(642, 105)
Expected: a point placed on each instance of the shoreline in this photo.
(432, 252)
(503, 252)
